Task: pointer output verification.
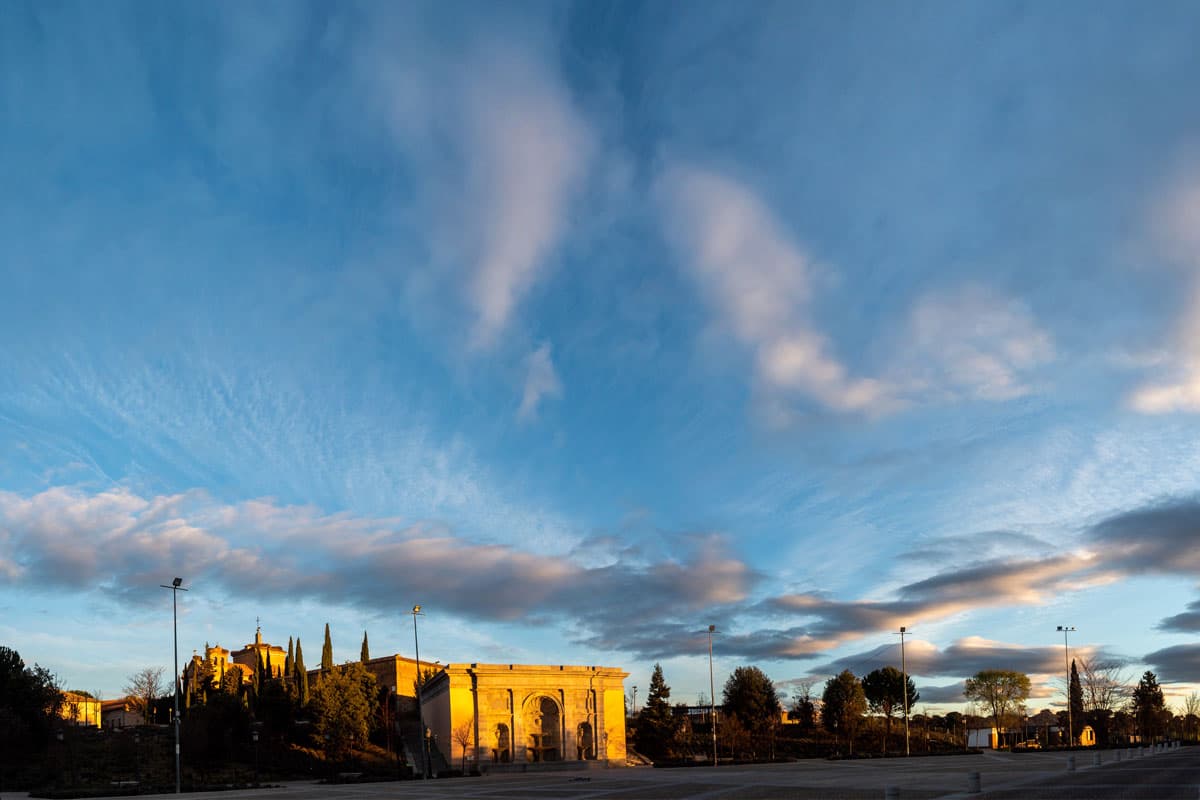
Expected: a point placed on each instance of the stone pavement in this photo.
(1003, 776)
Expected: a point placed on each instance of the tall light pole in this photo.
(416, 612)
(904, 686)
(176, 587)
(712, 695)
(1066, 629)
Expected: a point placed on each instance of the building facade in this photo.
(522, 713)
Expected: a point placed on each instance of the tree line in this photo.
(850, 713)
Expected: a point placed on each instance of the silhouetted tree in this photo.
(289, 663)
(1075, 698)
(656, 722)
(884, 689)
(1148, 706)
(843, 705)
(301, 676)
(365, 655)
(30, 698)
(803, 710)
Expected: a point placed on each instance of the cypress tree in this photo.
(289, 663)
(1075, 696)
(366, 652)
(327, 651)
(301, 675)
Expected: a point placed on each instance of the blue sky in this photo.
(588, 325)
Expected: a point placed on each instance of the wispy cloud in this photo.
(541, 381)
(1176, 387)
(973, 342)
(757, 277)
(969, 343)
(509, 155)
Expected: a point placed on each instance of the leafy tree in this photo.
(1148, 705)
(327, 651)
(656, 722)
(365, 655)
(733, 734)
(885, 690)
(843, 705)
(1001, 691)
(342, 708)
(144, 687)
(750, 695)
(301, 676)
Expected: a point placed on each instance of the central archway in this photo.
(543, 722)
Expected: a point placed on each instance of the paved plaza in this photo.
(1003, 776)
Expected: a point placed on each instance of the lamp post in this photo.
(416, 612)
(635, 700)
(712, 697)
(175, 587)
(254, 736)
(904, 687)
(1066, 629)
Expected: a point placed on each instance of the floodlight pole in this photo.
(712, 694)
(416, 612)
(1067, 670)
(904, 687)
(175, 587)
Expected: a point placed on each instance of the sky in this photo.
(588, 325)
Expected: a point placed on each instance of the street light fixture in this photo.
(712, 696)
(176, 587)
(1066, 629)
(904, 686)
(416, 612)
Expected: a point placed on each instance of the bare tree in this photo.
(463, 735)
(1191, 713)
(1105, 684)
(144, 687)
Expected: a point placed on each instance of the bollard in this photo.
(891, 793)
(1141, 752)
(1118, 755)
(1095, 759)
(1070, 763)
(973, 783)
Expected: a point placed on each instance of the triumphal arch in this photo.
(526, 714)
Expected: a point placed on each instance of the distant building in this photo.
(219, 662)
(119, 713)
(80, 709)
